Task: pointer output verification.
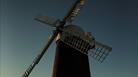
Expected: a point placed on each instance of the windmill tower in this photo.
(73, 46)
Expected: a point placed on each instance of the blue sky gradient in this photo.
(113, 22)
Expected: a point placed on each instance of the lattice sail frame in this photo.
(100, 52)
(77, 39)
(77, 42)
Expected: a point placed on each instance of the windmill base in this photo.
(70, 62)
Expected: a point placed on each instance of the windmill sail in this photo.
(53, 22)
(38, 58)
(100, 52)
(75, 37)
(74, 11)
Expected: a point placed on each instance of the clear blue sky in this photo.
(113, 22)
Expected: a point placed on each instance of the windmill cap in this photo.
(74, 29)
(78, 31)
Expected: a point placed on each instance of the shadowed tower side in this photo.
(69, 62)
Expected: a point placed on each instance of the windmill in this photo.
(73, 46)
